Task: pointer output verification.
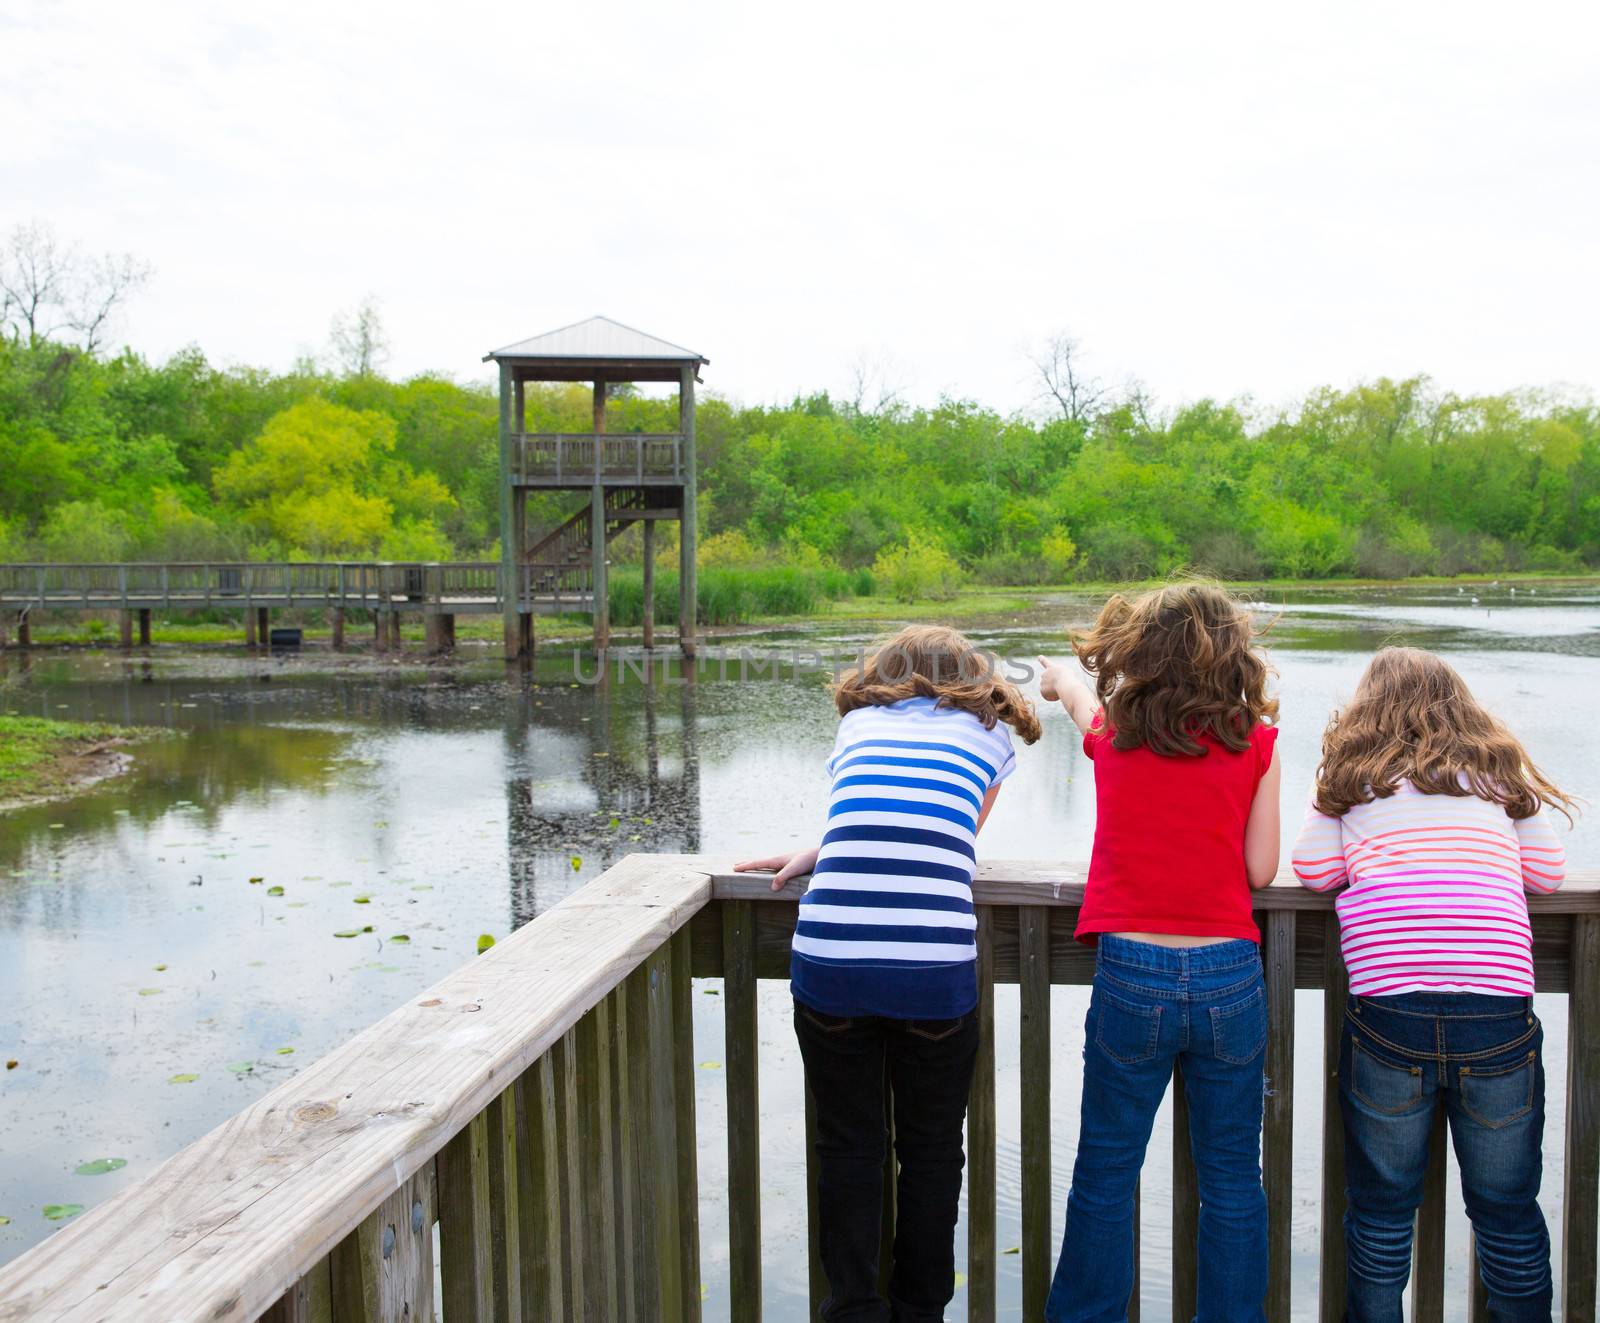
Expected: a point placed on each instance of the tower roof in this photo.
(598, 339)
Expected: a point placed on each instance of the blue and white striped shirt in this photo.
(887, 926)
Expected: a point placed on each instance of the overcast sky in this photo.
(1220, 199)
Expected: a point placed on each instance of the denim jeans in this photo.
(1154, 1007)
(1480, 1056)
(929, 1066)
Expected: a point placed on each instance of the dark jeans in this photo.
(929, 1065)
(1480, 1056)
(1203, 1008)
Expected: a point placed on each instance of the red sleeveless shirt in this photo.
(1169, 839)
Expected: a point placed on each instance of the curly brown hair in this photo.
(932, 661)
(1175, 665)
(1414, 719)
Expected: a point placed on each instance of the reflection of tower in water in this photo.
(593, 774)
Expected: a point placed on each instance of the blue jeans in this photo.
(1480, 1056)
(1203, 1008)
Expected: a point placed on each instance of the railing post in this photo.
(744, 1107)
(1582, 1174)
(539, 1191)
(661, 1169)
(582, 1297)
(1034, 974)
(505, 1222)
(1336, 988)
(384, 1268)
(688, 1164)
(310, 1300)
(1277, 1130)
(1185, 1206)
(626, 1157)
(1427, 1251)
(465, 1231)
(594, 1080)
(981, 1139)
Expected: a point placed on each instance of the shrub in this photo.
(919, 569)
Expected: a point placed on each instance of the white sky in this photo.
(1222, 199)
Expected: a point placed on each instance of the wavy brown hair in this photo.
(1414, 719)
(1176, 665)
(931, 661)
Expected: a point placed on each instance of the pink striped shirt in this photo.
(1436, 900)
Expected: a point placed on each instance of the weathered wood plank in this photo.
(981, 1140)
(681, 995)
(625, 1156)
(600, 1199)
(662, 1164)
(577, 1267)
(1277, 1131)
(1185, 1206)
(641, 1101)
(310, 1300)
(225, 1227)
(382, 1272)
(1038, 1258)
(505, 1232)
(1477, 1293)
(466, 1249)
(1427, 1251)
(744, 1106)
(1331, 1270)
(539, 1190)
(1582, 1166)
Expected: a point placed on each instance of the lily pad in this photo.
(274, 891)
(400, 939)
(362, 900)
(285, 1051)
(241, 1067)
(100, 1166)
(149, 992)
(257, 881)
(353, 932)
(4, 1220)
(61, 1212)
(485, 941)
(710, 1065)
(161, 969)
(182, 1079)
(577, 862)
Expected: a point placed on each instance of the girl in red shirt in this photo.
(1186, 793)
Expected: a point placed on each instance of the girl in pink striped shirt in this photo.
(1429, 813)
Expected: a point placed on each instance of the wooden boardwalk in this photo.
(538, 1105)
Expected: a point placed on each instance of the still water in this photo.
(154, 979)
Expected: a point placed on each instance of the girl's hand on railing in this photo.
(786, 866)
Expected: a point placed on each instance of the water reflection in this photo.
(582, 793)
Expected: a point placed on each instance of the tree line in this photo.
(108, 457)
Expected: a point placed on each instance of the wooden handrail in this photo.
(538, 1104)
(224, 1228)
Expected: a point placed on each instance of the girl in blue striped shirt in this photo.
(884, 961)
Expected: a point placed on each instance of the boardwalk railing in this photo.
(538, 1105)
(576, 459)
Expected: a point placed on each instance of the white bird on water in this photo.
(1474, 601)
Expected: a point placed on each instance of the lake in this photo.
(154, 979)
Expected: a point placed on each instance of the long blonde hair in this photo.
(1175, 664)
(933, 661)
(1414, 719)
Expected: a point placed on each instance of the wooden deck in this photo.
(456, 588)
(539, 1105)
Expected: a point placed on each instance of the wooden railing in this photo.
(568, 459)
(538, 1105)
(203, 584)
